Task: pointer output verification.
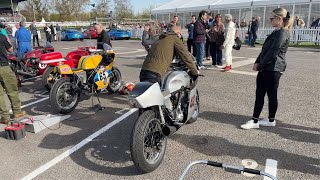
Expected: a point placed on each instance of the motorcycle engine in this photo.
(180, 105)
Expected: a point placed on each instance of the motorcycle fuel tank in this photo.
(89, 62)
(174, 80)
(51, 56)
(33, 54)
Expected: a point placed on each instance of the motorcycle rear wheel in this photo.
(115, 81)
(62, 97)
(148, 144)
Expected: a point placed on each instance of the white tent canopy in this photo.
(170, 7)
(197, 5)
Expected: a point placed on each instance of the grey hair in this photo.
(228, 17)
(22, 23)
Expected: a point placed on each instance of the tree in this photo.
(34, 8)
(146, 12)
(101, 9)
(69, 9)
(123, 9)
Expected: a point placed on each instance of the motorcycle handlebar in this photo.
(228, 168)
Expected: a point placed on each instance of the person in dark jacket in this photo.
(271, 63)
(34, 32)
(199, 36)
(150, 35)
(103, 36)
(161, 55)
(254, 30)
(190, 42)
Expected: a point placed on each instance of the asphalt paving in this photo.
(226, 102)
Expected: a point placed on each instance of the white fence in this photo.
(297, 35)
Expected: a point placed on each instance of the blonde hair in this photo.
(176, 29)
(154, 28)
(285, 15)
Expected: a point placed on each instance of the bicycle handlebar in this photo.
(227, 168)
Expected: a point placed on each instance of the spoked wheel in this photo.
(148, 143)
(115, 81)
(63, 97)
(48, 78)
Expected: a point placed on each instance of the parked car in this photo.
(90, 33)
(119, 34)
(71, 34)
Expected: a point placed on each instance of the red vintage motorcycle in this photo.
(28, 66)
(50, 60)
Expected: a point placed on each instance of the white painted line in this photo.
(67, 153)
(271, 168)
(130, 52)
(243, 63)
(35, 102)
(121, 111)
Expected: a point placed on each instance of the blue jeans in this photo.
(200, 53)
(216, 54)
(250, 38)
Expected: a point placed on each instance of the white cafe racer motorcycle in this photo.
(162, 111)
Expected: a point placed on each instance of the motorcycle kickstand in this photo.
(100, 106)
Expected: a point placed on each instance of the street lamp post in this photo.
(12, 11)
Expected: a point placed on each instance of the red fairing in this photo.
(33, 54)
(12, 57)
(51, 56)
(74, 56)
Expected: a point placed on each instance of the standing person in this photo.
(300, 25)
(150, 35)
(254, 30)
(174, 22)
(199, 36)
(3, 29)
(190, 42)
(271, 64)
(236, 23)
(216, 40)
(52, 32)
(8, 82)
(58, 30)
(229, 36)
(207, 45)
(249, 33)
(103, 36)
(34, 32)
(24, 40)
(13, 42)
(15, 29)
(47, 30)
(243, 23)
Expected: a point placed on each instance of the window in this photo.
(269, 15)
(315, 11)
(246, 14)
(302, 11)
(235, 15)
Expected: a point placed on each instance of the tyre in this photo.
(63, 97)
(127, 38)
(196, 113)
(48, 78)
(81, 39)
(148, 144)
(115, 82)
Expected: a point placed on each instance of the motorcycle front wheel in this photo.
(148, 144)
(115, 81)
(63, 97)
(48, 78)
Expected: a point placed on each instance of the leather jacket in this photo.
(273, 53)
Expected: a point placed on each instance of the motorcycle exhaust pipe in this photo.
(25, 73)
(167, 130)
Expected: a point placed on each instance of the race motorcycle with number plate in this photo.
(95, 73)
(162, 111)
(28, 66)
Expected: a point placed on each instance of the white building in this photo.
(239, 9)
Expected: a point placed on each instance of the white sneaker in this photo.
(202, 67)
(250, 125)
(266, 122)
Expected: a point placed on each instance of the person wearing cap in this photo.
(24, 40)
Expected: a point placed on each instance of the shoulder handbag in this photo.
(237, 44)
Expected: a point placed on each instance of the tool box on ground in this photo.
(16, 129)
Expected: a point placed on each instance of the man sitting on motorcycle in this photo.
(161, 55)
(103, 36)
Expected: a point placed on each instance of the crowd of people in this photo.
(207, 31)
